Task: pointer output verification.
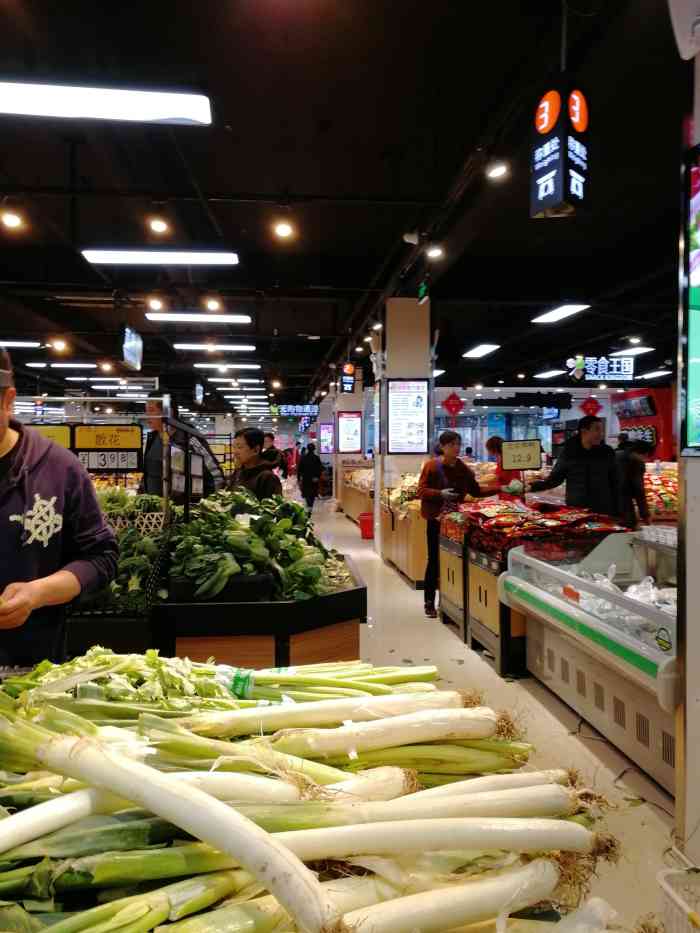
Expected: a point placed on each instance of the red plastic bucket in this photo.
(366, 520)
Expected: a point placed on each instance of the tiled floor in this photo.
(399, 633)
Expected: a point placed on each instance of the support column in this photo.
(688, 648)
(408, 340)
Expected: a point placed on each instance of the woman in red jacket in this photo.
(494, 446)
(444, 479)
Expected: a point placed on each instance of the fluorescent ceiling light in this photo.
(103, 103)
(438, 372)
(27, 344)
(187, 317)
(130, 395)
(633, 351)
(37, 365)
(655, 374)
(558, 314)
(481, 349)
(550, 373)
(111, 388)
(106, 379)
(72, 365)
(159, 257)
(222, 367)
(216, 347)
(251, 381)
(76, 378)
(232, 383)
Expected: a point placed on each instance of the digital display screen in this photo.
(349, 432)
(132, 349)
(326, 438)
(408, 416)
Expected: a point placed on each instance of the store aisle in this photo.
(398, 633)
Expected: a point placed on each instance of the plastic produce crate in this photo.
(681, 899)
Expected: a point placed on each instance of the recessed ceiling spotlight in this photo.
(497, 170)
(377, 326)
(106, 367)
(155, 304)
(12, 220)
(212, 304)
(359, 349)
(521, 375)
(434, 251)
(283, 229)
(158, 225)
(635, 340)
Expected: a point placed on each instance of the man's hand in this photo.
(17, 602)
(449, 495)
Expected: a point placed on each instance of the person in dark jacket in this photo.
(587, 466)
(444, 480)
(273, 455)
(631, 467)
(253, 472)
(309, 474)
(54, 541)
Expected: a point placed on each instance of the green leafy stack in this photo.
(277, 538)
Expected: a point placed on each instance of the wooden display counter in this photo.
(354, 501)
(404, 543)
(264, 634)
(454, 586)
(492, 625)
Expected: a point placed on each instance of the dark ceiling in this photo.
(359, 120)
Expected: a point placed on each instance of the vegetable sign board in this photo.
(408, 416)
(58, 433)
(349, 432)
(109, 448)
(522, 455)
(326, 438)
(559, 156)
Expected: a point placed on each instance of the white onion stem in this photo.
(258, 720)
(202, 816)
(385, 783)
(445, 908)
(239, 787)
(391, 839)
(496, 782)
(546, 800)
(407, 729)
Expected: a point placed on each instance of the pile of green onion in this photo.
(136, 795)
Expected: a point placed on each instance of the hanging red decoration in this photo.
(591, 407)
(453, 405)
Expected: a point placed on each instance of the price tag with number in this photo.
(522, 455)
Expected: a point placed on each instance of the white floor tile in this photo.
(399, 633)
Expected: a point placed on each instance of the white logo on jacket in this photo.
(41, 522)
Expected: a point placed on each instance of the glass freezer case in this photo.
(601, 633)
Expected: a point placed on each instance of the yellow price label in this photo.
(108, 437)
(58, 433)
(522, 455)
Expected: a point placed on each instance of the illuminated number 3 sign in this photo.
(547, 112)
(578, 111)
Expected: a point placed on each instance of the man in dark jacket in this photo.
(309, 475)
(587, 466)
(631, 467)
(54, 541)
(253, 472)
(273, 455)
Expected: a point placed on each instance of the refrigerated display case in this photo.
(601, 634)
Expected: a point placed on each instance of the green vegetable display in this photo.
(276, 537)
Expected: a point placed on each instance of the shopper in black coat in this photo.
(309, 475)
(588, 467)
(631, 466)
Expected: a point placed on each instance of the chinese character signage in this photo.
(601, 368)
(347, 379)
(408, 416)
(559, 160)
(297, 411)
(522, 455)
(110, 448)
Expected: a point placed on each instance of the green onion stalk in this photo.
(194, 811)
(142, 912)
(451, 760)
(176, 745)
